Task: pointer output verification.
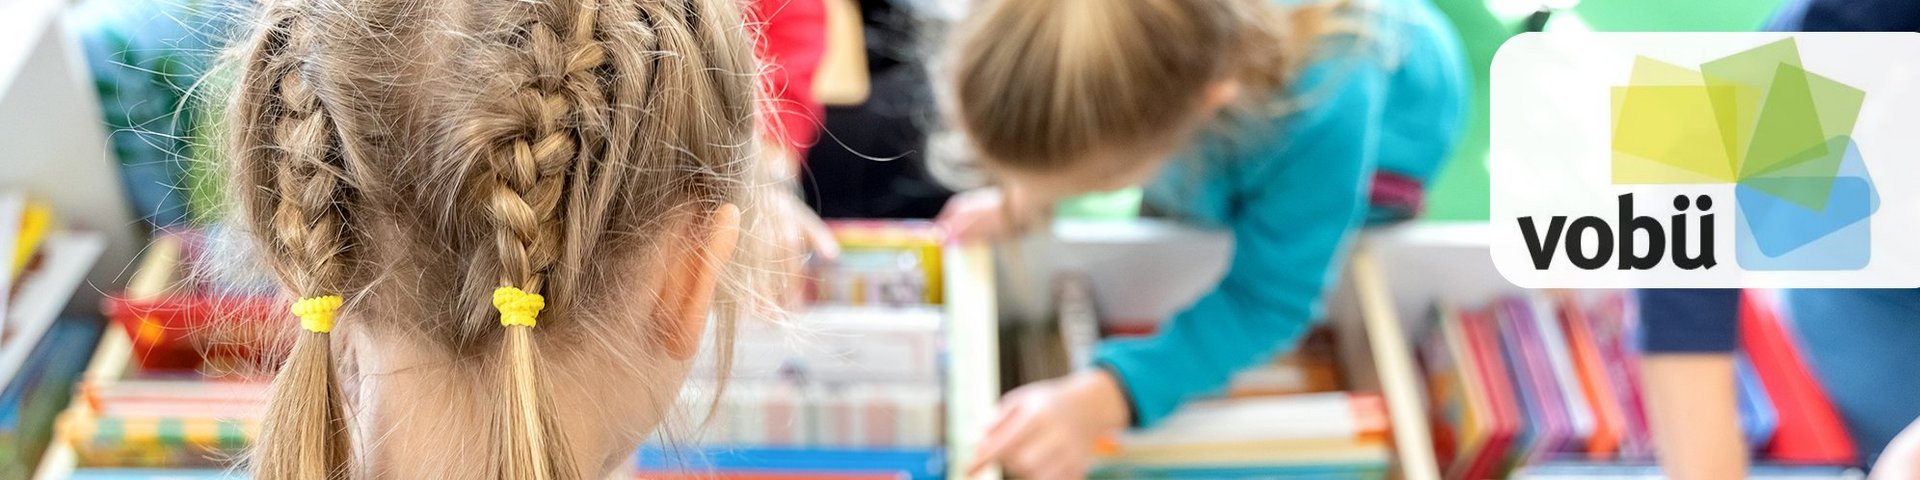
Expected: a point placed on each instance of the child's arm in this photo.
(1302, 198)
(1687, 377)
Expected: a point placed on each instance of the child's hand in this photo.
(1047, 430)
(800, 234)
(1901, 458)
(797, 232)
(991, 213)
(973, 215)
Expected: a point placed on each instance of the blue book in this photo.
(1758, 418)
(41, 390)
(1639, 471)
(917, 464)
(154, 474)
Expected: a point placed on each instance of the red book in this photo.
(1609, 421)
(1497, 379)
(1810, 430)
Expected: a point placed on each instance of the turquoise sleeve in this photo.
(1299, 202)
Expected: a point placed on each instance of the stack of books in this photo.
(172, 423)
(1309, 435)
(176, 388)
(43, 266)
(1543, 385)
(1292, 417)
(849, 387)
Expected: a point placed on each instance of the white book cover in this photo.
(45, 293)
(837, 344)
(1310, 416)
(1546, 320)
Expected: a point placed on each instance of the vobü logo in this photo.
(1778, 134)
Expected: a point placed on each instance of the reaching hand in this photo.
(800, 234)
(1047, 430)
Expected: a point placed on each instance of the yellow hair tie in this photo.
(316, 313)
(517, 307)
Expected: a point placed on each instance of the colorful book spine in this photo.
(1614, 330)
(1450, 411)
(1595, 384)
(779, 414)
(156, 442)
(1579, 413)
(1809, 429)
(1545, 414)
(1758, 418)
(840, 344)
(1506, 421)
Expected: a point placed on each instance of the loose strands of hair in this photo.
(289, 160)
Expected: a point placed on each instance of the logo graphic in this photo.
(1780, 134)
(1705, 160)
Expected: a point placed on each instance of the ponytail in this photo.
(288, 160)
(547, 123)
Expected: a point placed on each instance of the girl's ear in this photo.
(686, 295)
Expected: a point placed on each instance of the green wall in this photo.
(1460, 191)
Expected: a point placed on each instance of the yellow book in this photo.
(35, 222)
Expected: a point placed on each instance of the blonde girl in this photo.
(506, 224)
(1277, 121)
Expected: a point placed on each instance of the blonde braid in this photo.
(289, 157)
(554, 127)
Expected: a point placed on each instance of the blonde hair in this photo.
(1038, 85)
(413, 156)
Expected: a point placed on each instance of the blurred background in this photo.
(118, 283)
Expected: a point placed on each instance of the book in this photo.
(658, 461)
(1583, 348)
(1451, 411)
(44, 386)
(1544, 416)
(155, 474)
(789, 415)
(1506, 422)
(1647, 471)
(1291, 472)
(1614, 327)
(12, 205)
(1809, 428)
(1335, 416)
(41, 295)
(156, 441)
(882, 262)
(36, 222)
(838, 344)
(1758, 418)
(1547, 325)
(1271, 436)
(181, 422)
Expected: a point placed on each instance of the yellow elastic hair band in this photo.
(316, 313)
(517, 307)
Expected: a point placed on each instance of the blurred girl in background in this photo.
(1267, 118)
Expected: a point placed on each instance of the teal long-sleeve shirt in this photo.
(1292, 188)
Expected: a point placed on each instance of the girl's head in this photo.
(1068, 96)
(415, 158)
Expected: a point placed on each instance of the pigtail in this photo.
(546, 123)
(288, 164)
